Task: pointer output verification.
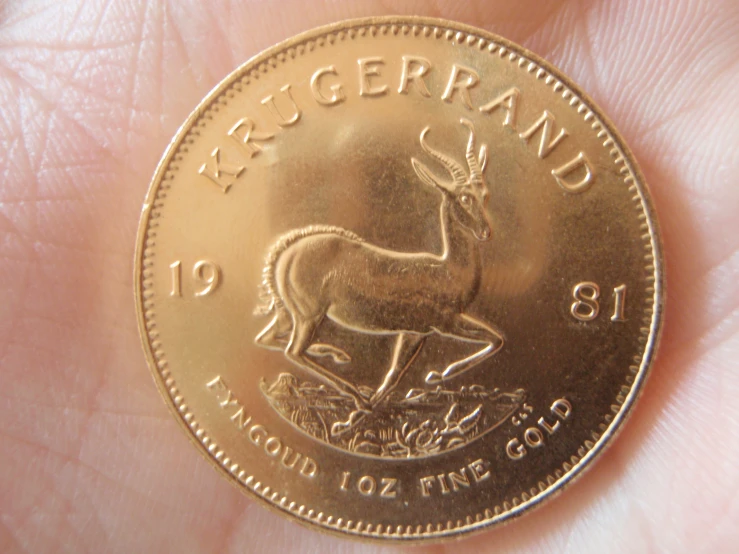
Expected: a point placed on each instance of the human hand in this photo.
(91, 94)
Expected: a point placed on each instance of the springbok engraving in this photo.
(323, 272)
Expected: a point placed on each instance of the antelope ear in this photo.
(483, 158)
(426, 176)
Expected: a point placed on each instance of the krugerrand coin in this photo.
(399, 279)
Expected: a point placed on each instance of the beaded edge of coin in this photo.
(531, 65)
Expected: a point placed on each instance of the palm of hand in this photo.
(91, 459)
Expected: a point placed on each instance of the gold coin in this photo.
(399, 278)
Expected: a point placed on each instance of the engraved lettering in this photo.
(230, 400)
(461, 80)
(533, 437)
(458, 479)
(579, 165)
(442, 481)
(454, 481)
(479, 473)
(546, 143)
(309, 469)
(508, 101)
(426, 484)
(414, 70)
(272, 446)
(523, 415)
(515, 449)
(368, 68)
(244, 135)
(241, 419)
(221, 173)
(176, 273)
(281, 120)
(337, 92)
(388, 487)
(257, 433)
(544, 424)
(345, 481)
(585, 307)
(217, 381)
(367, 485)
(619, 298)
(207, 274)
(562, 408)
(286, 456)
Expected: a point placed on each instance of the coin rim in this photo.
(615, 426)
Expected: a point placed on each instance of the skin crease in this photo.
(90, 94)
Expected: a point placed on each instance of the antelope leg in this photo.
(273, 335)
(407, 347)
(469, 329)
(297, 353)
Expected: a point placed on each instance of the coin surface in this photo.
(399, 278)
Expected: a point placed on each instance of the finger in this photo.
(110, 103)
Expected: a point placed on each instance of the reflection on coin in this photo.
(399, 278)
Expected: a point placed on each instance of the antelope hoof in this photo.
(434, 378)
(341, 427)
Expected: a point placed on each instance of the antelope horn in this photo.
(456, 170)
(472, 161)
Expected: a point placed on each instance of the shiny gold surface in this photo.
(399, 278)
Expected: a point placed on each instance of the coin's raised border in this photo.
(460, 35)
